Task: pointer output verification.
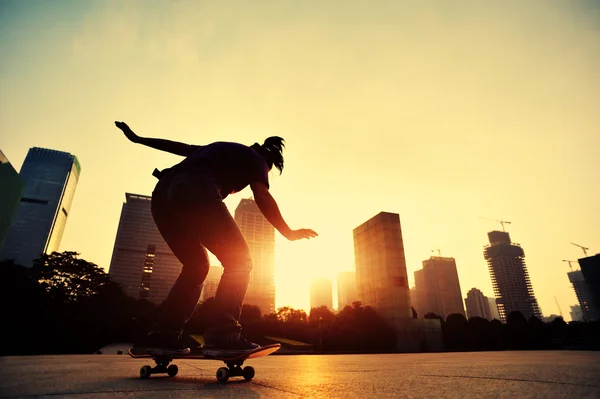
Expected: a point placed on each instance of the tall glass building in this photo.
(142, 262)
(10, 196)
(50, 178)
(260, 236)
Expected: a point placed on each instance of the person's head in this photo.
(272, 151)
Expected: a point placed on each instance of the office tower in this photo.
(382, 283)
(211, 283)
(142, 262)
(10, 196)
(50, 178)
(478, 305)
(346, 289)
(321, 293)
(575, 313)
(260, 236)
(437, 287)
(584, 295)
(381, 279)
(590, 268)
(494, 308)
(512, 287)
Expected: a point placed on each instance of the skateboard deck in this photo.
(233, 362)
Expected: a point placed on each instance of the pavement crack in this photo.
(511, 379)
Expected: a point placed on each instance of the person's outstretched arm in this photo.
(267, 205)
(173, 147)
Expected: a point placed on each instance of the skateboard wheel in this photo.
(172, 370)
(145, 372)
(248, 373)
(223, 374)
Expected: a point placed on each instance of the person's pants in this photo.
(191, 217)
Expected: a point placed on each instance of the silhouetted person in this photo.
(188, 209)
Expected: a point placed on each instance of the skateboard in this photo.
(233, 369)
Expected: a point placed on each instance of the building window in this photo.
(147, 271)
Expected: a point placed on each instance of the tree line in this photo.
(64, 304)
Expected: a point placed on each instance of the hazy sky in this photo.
(440, 111)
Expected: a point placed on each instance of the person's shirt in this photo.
(232, 166)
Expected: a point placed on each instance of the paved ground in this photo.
(552, 374)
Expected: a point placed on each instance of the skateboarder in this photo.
(188, 209)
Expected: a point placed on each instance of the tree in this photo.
(67, 278)
(287, 315)
(320, 313)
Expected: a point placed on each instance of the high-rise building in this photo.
(142, 262)
(211, 283)
(382, 283)
(50, 178)
(575, 313)
(584, 295)
(381, 279)
(478, 304)
(346, 289)
(590, 268)
(10, 196)
(494, 308)
(510, 279)
(260, 236)
(437, 287)
(321, 293)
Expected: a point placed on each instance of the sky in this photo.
(443, 112)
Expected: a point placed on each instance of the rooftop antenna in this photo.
(438, 251)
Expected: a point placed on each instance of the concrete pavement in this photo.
(544, 374)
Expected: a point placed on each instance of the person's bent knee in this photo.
(240, 263)
(195, 274)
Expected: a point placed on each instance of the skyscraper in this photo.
(584, 295)
(437, 287)
(260, 236)
(590, 268)
(510, 279)
(142, 262)
(382, 283)
(478, 305)
(211, 283)
(10, 196)
(494, 308)
(321, 293)
(346, 289)
(381, 279)
(50, 178)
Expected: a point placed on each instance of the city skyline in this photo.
(438, 115)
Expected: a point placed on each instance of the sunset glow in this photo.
(442, 115)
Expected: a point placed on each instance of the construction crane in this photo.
(558, 306)
(582, 247)
(569, 261)
(501, 221)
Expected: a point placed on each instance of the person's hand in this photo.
(127, 131)
(299, 234)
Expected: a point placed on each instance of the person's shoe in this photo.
(223, 344)
(162, 343)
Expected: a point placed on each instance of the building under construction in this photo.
(512, 287)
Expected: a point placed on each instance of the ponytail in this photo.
(272, 151)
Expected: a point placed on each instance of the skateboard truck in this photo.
(233, 369)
